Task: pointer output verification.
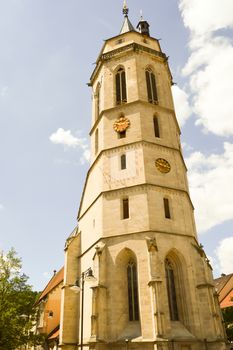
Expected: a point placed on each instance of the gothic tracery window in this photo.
(151, 87)
(171, 290)
(121, 95)
(132, 291)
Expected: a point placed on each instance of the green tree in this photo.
(228, 320)
(17, 315)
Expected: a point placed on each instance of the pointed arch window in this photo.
(121, 95)
(132, 291)
(171, 290)
(156, 126)
(151, 87)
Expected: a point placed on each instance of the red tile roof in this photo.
(54, 335)
(54, 282)
(224, 286)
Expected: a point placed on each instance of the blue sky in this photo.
(48, 50)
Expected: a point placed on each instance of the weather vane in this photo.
(141, 15)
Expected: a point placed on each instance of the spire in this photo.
(143, 26)
(127, 25)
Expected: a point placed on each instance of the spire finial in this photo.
(125, 9)
(141, 15)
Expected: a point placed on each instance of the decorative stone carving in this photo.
(151, 244)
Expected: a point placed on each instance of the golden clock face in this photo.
(162, 165)
(121, 124)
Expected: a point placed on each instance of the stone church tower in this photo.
(153, 284)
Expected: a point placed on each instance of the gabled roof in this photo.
(53, 283)
(54, 335)
(222, 281)
(224, 285)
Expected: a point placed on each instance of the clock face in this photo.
(162, 165)
(121, 124)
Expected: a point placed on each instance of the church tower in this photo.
(136, 233)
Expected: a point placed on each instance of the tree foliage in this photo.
(17, 315)
(228, 320)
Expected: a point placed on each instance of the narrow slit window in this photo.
(125, 208)
(132, 291)
(122, 134)
(96, 141)
(166, 208)
(151, 87)
(123, 161)
(156, 126)
(121, 95)
(171, 291)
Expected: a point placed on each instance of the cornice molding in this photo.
(133, 47)
(128, 145)
(122, 108)
(138, 187)
(153, 232)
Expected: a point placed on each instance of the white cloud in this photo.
(86, 156)
(225, 256)
(65, 138)
(212, 86)
(211, 187)
(185, 146)
(209, 67)
(182, 107)
(1, 207)
(203, 17)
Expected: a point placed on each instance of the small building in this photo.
(224, 289)
(224, 286)
(49, 306)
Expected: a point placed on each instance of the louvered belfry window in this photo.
(171, 291)
(151, 87)
(132, 291)
(121, 96)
